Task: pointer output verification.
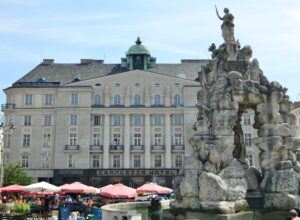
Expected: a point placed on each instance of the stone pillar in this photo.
(168, 159)
(127, 99)
(147, 141)
(127, 141)
(107, 96)
(106, 142)
(147, 96)
(167, 95)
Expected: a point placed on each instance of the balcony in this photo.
(72, 148)
(97, 106)
(116, 149)
(137, 149)
(8, 106)
(96, 148)
(158, 148)
(178, 148)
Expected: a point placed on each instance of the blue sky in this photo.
(67, 31)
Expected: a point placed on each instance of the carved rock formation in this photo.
(229, 86)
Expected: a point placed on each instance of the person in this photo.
(1, 200)
(38, 201)
(227, 25)
(69, 199)
(293, 215)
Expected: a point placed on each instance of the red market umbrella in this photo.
(12, 189)
(77, 187)
(153, 188)
(118, 191)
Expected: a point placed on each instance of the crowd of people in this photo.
(43, 204)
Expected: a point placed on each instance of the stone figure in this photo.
(239, 150)
(227, 25)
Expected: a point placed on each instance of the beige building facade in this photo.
(105, 123)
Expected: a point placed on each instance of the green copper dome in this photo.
(138, 48)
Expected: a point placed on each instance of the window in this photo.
(247, 119)
(137, 119)
(46, 140)
(28, 99)
(177, 100)
(250, 159)
(178, 161)
(73, 139)
(157, 139)
(47, 120)
(117, 85)
(136, 161)
(137, 139)
(45, 160)
(26, 140)
(116, 139)
(95, 160)
(137, 100)
(247, 139)
(8, 140)
(157, 100)
(116, 161)
(137, 85)
(96, 140)
(157, 161)
(48, 99)
(157, 119)
(73, 119)
(27, 120)
(25, 160)
(178, 119)
(178, 139)
(70, 161)
(117, 100)
(117, 120)
(97, 100)
(97, 120)
(74, 98)
(156, 85)
(6, 158)
(177, 84)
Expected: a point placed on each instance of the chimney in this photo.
(48, 61)
(88, 61)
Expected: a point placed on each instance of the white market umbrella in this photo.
(41, 187)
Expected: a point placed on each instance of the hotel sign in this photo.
(137, 172)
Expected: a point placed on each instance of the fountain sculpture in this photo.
(216, 177)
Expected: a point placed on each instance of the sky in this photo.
(70, 30)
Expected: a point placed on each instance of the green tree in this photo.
(14, 173)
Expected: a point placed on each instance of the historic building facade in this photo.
(104, 123)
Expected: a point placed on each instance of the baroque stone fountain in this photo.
(216, 176)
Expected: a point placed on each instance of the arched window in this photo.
(137, 100)
(177, 100)
(157, 100)
(97, 100)
(117, 100)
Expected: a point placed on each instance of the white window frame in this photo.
(157, 119)
(137, 120)
(96, 159)
(178, 160)
(97, 100)
(74, 98)
(247, 119)
(178, 139)
(72, 139)
(137, 139)
(177, 100)
(25, 160)
(26, 140)
(117, 120)
(157, 160)
(47, 140)
(96, 139)
(248, 139)
(157, 139)
(157, 99)
(137, 99)
(47, 120)
(137, 161)
(117, 99)
(27, 120)
(73, 119)
(48, 99)
(28, 99)
(96, 120)
(116, 161)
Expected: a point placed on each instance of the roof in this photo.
(138, 48)
(60, 74)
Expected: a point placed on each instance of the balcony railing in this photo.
(178, 148)
(137, 149)
(116, 148)
(96, 148)
(158, 148)
(72, 148)
(8, 106)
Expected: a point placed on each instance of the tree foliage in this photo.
(14, 173)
